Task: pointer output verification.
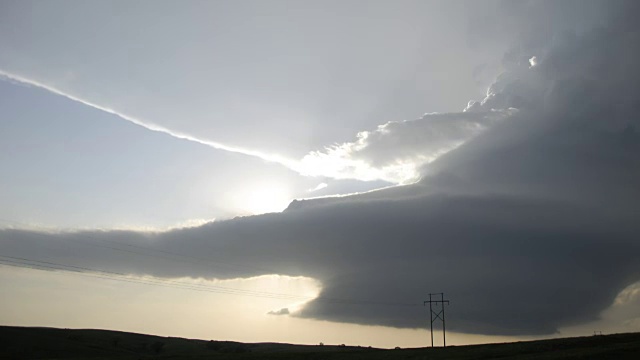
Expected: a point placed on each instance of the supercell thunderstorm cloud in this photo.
(528, 194)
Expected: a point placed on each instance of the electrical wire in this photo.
(44, 265)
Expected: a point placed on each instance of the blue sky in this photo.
(70, 165)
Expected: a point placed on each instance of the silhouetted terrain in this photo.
(50, 343)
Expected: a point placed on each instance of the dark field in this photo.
(49, 343)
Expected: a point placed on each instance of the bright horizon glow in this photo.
(194, 314)
(52, 294)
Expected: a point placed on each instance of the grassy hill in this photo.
(50, 343)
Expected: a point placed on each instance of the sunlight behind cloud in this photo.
(359, 159)
(395, 151)
(261, 198)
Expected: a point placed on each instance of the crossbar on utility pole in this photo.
(437, 315)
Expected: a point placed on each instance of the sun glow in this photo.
(263, 198)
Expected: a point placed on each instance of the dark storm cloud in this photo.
(530, 226)
(500, 258)
(531, 26)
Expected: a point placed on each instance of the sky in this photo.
(309, 172)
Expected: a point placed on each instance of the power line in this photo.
(96, 273)
(184, 258)
(181, 257)
(39, 265)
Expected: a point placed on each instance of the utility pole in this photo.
(437, 316)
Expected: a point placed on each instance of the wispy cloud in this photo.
(148, 124)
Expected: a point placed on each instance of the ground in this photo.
(50, 343)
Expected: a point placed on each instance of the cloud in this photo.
(622, 316)
(148, 124)
(392, 153)
(495, 257)
(319, 187)
(529, 226)
(396, 150)
(283, 311)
